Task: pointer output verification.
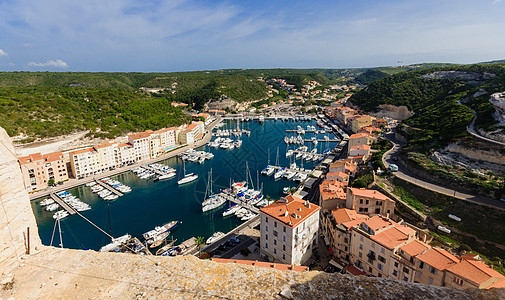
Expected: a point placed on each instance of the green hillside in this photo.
(438, 117)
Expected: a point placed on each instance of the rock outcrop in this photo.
(16, 214)
(498, 100)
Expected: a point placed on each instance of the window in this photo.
(275, 242)
(458, 281)
(266, 245)
(395, 272)
(266, 219)
(405, 278)
(360, 247)
(275, 224)
(380, 274)
(284, 238)
(373, 245)
(360, 201)
(366, 202)
(379, 266)
(361, 238)
(433, 270)
(419, 274)
(381, 259)
(266, 237)
(283, 247)
(430, 280)
(275, 233)
(406, 270)
(283, 256)
(421, 265)
(378, 203)
(369, 270)
(383, 250)
(266, 228)
(275, 251)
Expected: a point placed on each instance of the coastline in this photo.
(72, 183)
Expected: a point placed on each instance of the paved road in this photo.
(245, 241)
(471, 129)
(71, 183)
(404, 174)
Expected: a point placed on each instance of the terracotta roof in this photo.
(378, 223)
(125, 145)
(373, 194)
(104, 144)
(500, 284)
(337, 174)
(392, 237)
(343, 215)
(474, 270)
(357, 147)
(191, 126)
(140, 135)
(351, 269)
(290, 210)
(30, 158)
(54, 156)
(331, 189)
(282, 267)
(165, 130)
(415, 247)
(358, 135)
(438, 258)
(76, 152)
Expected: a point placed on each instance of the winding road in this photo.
(408, 176)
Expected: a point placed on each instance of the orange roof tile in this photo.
(343, 215)
(373, 194)
(358, 147)
(125, 145)
(54, 156)
(474, 270)
(498, 285)
(76, 152)
(282, 267)
(191, 126)
(392, 237)
(290, 211)
(30, 158)
(331, 189)
(358, 136)
(438, 258)
(140, 135)
(351, 269)
(378, 223)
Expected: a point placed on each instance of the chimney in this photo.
(307, 203)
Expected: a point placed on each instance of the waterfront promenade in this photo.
(71, 183)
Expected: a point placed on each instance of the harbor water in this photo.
(151, 204)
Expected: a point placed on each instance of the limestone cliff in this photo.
(16, 213)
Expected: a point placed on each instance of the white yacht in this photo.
(60, 214)
(216, 236)
(231, 210)
(187, 177)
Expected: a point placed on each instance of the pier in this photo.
(232, 199)
(62, 204)
(308, 131)
(321, 141)
(308, 172)
(153, 170)
(113, 190)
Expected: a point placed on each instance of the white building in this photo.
(141, 145)
(289, 230)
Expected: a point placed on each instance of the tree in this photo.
(200, 240)
(50, 182)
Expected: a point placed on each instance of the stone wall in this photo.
(16, 213)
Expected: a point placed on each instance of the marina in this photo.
(108, 187)
(150, 204)
(62, 204)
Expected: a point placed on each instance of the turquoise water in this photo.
(155, 203)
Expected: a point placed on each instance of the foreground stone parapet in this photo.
(75, 274)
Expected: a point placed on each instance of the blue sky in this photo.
(179, 35)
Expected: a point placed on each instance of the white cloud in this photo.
(27, 45)
(3, 53)
(50, 63)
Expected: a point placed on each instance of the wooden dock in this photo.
(153, 170)
(237, 201)
(113, 190)
(62, 204)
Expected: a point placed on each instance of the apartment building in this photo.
(289, 230)
(332, 194)
(191, 133)
(342, 114)
(141, 144)
(359, 121)
(84, 162)
(38, 170)
(370, 202)
(380, 247)
(360, 139)
(362, 151)
(161, 140)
